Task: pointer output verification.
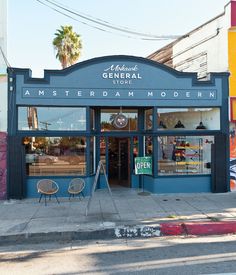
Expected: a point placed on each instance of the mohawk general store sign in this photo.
(117, 81)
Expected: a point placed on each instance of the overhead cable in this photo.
(82, 22)
(144, 36)
(5, 58)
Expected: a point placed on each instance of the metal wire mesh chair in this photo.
(47, 187)
(76, 187)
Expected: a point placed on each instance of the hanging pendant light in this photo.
(120, 121)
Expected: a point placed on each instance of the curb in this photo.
(198, 228)
(129, 231)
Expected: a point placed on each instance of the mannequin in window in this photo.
(201, 126)
(162, 125)
(179, 124)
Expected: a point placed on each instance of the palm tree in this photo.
(68, 45)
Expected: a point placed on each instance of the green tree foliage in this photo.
(68, 45)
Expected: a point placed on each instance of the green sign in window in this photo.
(143, 165)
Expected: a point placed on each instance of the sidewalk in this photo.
(138, 216)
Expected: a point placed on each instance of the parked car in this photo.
(40, 158)
(72, 159)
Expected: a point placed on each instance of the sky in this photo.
(31, 27)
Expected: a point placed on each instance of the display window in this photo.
(188, 118)
(184, 155)
(55, 156)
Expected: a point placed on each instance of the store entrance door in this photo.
(119, 161)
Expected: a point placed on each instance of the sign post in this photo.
(143, 166)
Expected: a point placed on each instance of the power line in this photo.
(5, 59)
(100, 29)
(108, 25)
(68, 15)
(144, 36)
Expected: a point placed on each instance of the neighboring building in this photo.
(114, 109)
(3, 76)
(209, 48)
(3, 96)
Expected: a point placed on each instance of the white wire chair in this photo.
(76, 187)
(47, 187)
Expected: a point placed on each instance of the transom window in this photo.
(51, 118)
(188, 118)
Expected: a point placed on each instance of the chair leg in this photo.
(40, 197)
(69, 196)
(83, 194)
(56, 198)
(50, 196)
(45, 199)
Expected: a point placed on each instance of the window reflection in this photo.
(92, 155)
(51, 118)
(135, 150)
(103, 151)
(148, 119)
(188, 118)
(92, 119)
(55, 155)
(148, 146)
(184, 154)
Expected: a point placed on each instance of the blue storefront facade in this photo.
(114, 109)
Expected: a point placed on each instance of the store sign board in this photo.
(142, 94)
(117, 81)
(143, 165)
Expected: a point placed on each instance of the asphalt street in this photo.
(163, 255)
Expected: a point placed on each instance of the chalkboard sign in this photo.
(99, 168)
